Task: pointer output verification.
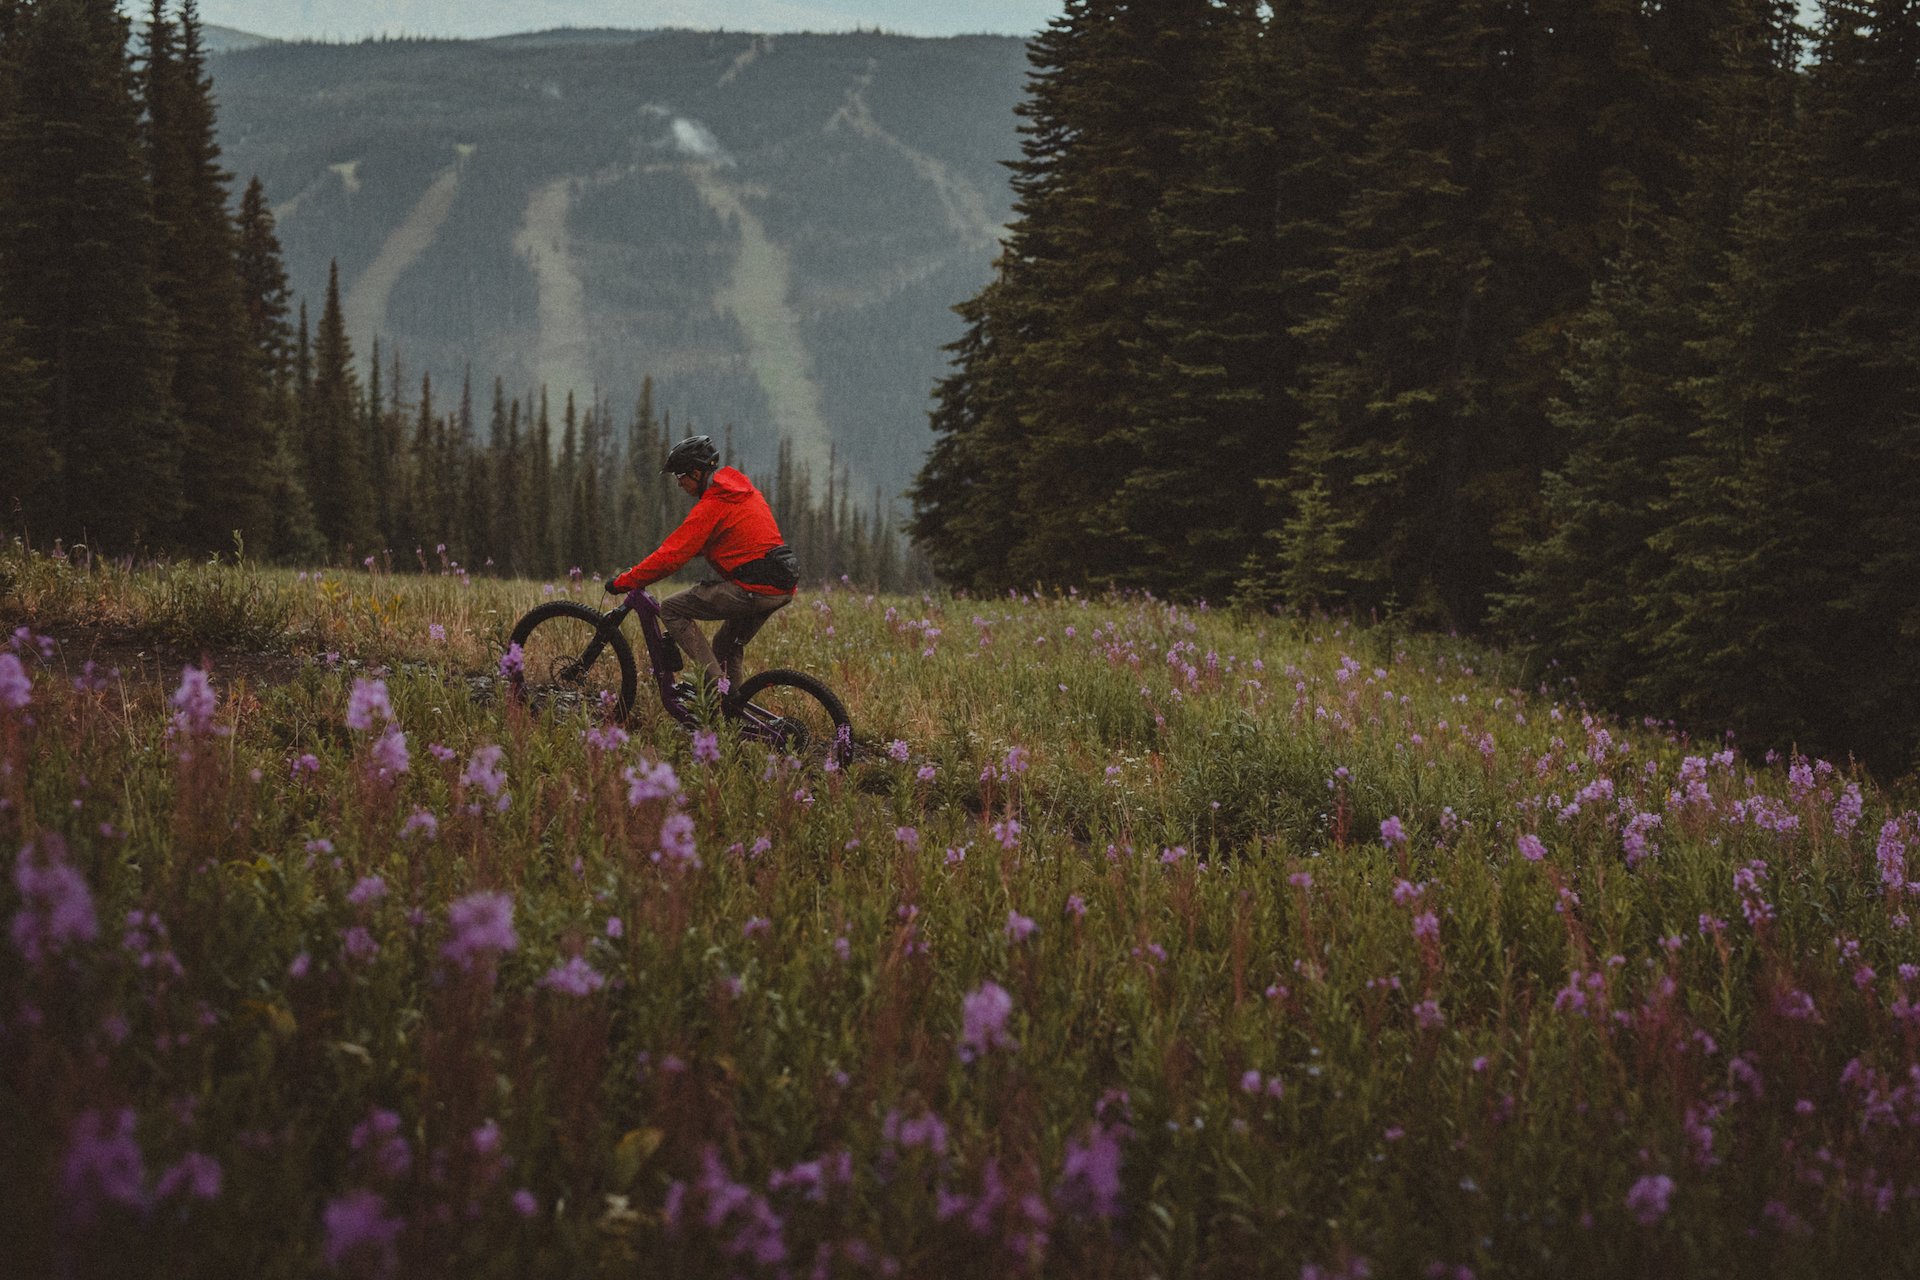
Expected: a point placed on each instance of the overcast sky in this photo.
(355, 19)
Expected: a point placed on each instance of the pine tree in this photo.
(1857, 359)
(293, 536)
(77, 251)
(1733, 631)
(1209, 411)
(543, 551)
(334, 437)
(415, 512)
(217, 388)
(1579, 596)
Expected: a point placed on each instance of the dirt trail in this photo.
(755, 47)
(757, 295)
(966, 208)
(348, 172)
(560, 358)
(365, 306)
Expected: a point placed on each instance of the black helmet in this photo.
(691, 456)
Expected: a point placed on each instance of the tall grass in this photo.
(1142, 940)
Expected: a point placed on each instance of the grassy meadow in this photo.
(1140, 940)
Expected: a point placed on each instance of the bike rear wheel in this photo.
(795, 713)
(554, 674)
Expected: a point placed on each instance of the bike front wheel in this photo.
(795, 713)
(562, 672)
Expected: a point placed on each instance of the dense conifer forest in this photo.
(1589, 325)
(161, 390)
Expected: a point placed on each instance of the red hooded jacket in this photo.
(730, 525)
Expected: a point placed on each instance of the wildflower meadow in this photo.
(1137, 940)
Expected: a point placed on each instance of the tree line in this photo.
(156, 395)
(1592, 325)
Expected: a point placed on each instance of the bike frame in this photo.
(640, 601)
(754, 722)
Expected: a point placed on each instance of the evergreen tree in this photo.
(1210, 413)
(1580, 594)
(217, 388)
(542, 549)
(292, 533)
(1862, 358)
(334, 438)
(77, 249)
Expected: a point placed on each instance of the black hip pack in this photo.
(777, 569)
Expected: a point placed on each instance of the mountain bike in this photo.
(573, 657)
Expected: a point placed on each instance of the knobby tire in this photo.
(551, 633)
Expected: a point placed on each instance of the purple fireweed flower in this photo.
(925, 1130)
(907, 837)
(194, 704)
(379, 1126)
(436, 632)
(388, 757)
(367, 704)
(1531, 848)
(706, 746)
(1647, 1199)
(1090, 1173)
(359, 1227)
(358, 943)
(1019, 928)
(615, 929)
(304, 763)
(1076, 906)
(898, 750)
(756, 926)
(1891, 855)
(196, 1174)
(1391, 833)
(1007, 832)
(1015, 763)
(420, 822)
(103, 1164)
(56, 907)
(1427, 1015)
(513, 663)
(16, 686)
(482, 923)
(676, 840)
(1847, 810)
(1796, 1005)
(443, 754)
(925, 773)
(574, 978)
(606, 737)
(524, 1203)
(486, 1138)
(649, 781)
(1426, 927)
(367, 889)
(984, 1015)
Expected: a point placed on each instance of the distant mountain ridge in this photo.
(223, 39)
(773, 228)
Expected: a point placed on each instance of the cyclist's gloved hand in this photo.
(614, 588)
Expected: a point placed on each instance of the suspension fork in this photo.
(643, 603)
(609, 627)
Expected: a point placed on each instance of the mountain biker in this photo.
(733, 527)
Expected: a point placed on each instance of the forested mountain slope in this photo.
(773, 228)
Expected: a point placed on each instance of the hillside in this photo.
(1139, 941)
(774, 228)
